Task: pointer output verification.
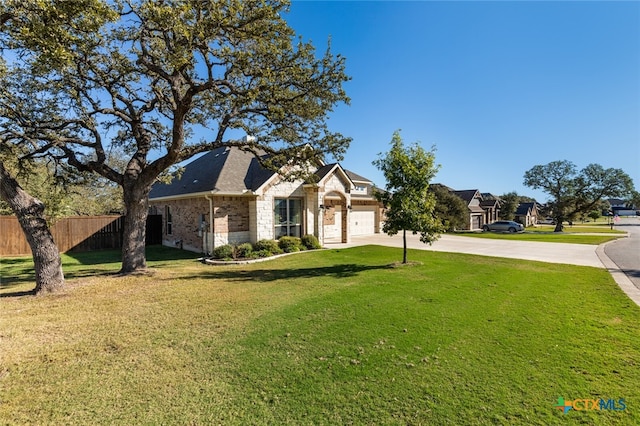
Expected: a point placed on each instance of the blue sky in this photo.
(497, 87)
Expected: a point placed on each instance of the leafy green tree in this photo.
(634, 200)
(450, 209)
(594, 214)
(63, 191)
(509, 203)
(408, 201)
(576, 192)
(164, 81)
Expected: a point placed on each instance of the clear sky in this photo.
(497, 87)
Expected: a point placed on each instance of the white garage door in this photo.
(362, 221)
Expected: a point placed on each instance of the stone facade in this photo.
(206, 220)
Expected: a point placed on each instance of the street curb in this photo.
(618, 275)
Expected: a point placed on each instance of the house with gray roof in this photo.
(527, 214)
(473, 198)
(227, 197)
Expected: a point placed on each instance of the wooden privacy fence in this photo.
(71, 234)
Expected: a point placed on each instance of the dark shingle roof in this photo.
(491, 202)
(467, 194)
(322, 171)
(356, 177)
(523, 208)
(226, 169)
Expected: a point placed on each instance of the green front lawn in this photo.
(575, 235)
(327, 337)
(602, 228)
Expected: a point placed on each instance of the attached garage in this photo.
(362, 220)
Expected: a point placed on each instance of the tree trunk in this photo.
(136, 204)
(404, 245)
(30, 213)
(558, 227)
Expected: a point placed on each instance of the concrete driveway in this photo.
(573, 254)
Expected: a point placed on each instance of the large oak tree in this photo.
(30, 213)
(164, 81)
(576, 192)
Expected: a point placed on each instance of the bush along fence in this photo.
(75, 234)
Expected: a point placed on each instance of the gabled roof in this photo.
(448, 188)
(356, 177)
(324, 170)
(468, 194)
(525, 208)
(225, 169)
(489, 196)
(333, 168)
(489, 202)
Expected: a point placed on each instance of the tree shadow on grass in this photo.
(268, 275)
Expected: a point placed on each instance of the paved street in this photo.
(625, 252)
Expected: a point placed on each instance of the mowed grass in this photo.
(546, 237)
(329, 337)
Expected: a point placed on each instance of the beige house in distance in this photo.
(226, 197)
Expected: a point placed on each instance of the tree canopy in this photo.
(408, 201)
(576, 192)
(450, 209)
(163, 81)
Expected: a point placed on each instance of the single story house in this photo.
(527, 214)
(227, 197)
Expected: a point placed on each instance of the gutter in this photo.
(244, 193)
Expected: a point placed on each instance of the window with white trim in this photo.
(287, 217)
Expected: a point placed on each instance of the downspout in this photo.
(210, 198)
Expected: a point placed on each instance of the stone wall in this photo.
(261, 217)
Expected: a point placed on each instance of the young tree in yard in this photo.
(408, 201)
(594, 215)
(576, 192)
(164, 81)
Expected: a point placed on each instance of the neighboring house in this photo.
(527, 214)
(473, 198)
(225, 197)
(491, 206)
(621, 208)
(617, 203)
